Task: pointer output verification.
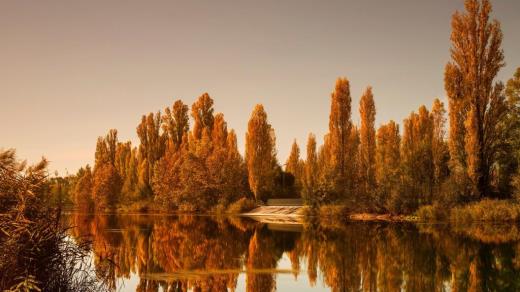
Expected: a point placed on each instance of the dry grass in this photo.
(241, 206)
(487, 210)
(36, 254)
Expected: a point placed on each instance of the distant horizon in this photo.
(72, 71)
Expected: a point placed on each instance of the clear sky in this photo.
(71, 70)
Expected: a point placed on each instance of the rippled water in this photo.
(202, 253)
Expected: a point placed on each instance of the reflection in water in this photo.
(172, 253)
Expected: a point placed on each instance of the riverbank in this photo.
(483, 211)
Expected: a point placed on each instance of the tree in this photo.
(294, 165)
(219, 132)
(476, 103)
(440, 150)
(340, 134)
(202, 114)
(82, 192)
(508, 174)
(176, 122)
(106, 187)
(260, 154)
(416, 161)
(130, 179)
(367, 146)
(151, 149)
(106, 148)
(310, 175)
(388, 158)
(106, 181)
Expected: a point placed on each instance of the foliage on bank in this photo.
(394, 169)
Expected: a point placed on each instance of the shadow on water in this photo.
(180, 253)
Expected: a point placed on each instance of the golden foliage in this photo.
(260, 154)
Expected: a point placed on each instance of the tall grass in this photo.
(35, 252)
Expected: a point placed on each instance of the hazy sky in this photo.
(71, 70)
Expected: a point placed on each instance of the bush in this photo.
(35, 252)
(335, 211)
(433, 212)
(487, 210)
(241, 206)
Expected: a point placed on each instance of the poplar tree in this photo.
(294, 165)
(175, 123)
(151, 149)
(367, 146)
(388, 159)
(476, 102)
(202, 114)
(440, 150)
(416, 157)
(340, 130)
(310, 175)
(106, 181)
(260, 154)
(82, 192)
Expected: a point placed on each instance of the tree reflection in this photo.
(208, 254)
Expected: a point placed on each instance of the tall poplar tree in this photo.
(294, 165)
(176, 123)
(260, 154)
(476, 102)
(440, 150)
(310, 175)
(340, 131)
(367, 146)
(151, 149)
(388, 159)
(202, 114)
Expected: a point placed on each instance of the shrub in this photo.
(35, 252)
(433, 212)
(241, 206)
(487, 210)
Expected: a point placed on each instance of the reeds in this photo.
(36, 253)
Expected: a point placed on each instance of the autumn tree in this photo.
(176, 123)
(340, 167)
(367, 147)
(204, 171)
(440, 152)
(106, 181)
(507, 176)
(202, 114)
(260, 154)
(476, 102)
(294, 165)
(82, 192)
(416, 161)
(310, 171)
(388, 160)
(126, 166)
(151, 149)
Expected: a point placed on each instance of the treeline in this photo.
(366, 169)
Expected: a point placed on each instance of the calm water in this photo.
(197, 253)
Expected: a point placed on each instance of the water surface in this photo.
(203, 253)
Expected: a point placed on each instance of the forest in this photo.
(443, 156)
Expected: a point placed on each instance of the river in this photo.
(205, 253)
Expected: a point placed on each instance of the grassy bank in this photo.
(148, 206)
(483, 211)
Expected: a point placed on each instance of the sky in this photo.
(72, 70)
